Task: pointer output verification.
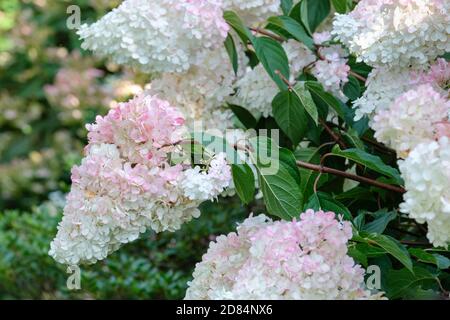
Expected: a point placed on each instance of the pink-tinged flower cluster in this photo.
(332, 69)
(158, 36)
(416, 116)
(126, 184)
(396, 32)
(304, 259)
(384, 85)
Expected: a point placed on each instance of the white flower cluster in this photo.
(383, 86)
(253, 11)
(411, 119)
(305, 259)
(256, 90)
(204, 185)
(202, 91)
(396, 32)
(126, 183)
(426, 172)
(158, 36)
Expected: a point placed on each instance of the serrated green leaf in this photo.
(317, 11)
(244, 181)
(288, 159)
(370, 161)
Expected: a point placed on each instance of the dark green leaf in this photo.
(286, 6)
(393, 247)
(290, 115)
(340, 5)
(236, 23)
(244, 181)
(352, 89)
(293, 28)
(401, 280)
(323, 201)
(307, 101)
(232, 53)
(370, 161)
(382, 219)
(318, 10)
(440, 261)
(244, 116)
(288, 159)
(272, 56)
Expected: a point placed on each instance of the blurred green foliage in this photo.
(49, 89)
(158, 266)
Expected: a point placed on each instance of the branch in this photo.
(357, 76)
(350, 176)
(269, 34)
(336, 138)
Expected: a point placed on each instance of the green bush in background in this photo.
(158, 266)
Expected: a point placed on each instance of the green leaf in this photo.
(379, 224)
(244, 116)
(308, 177)
(340, 6)
(399, 281)
(274, 59)
(280, 189)
(317, 11)
(286, 6)
(236, 23)
(393, 247)
(290, 115)
(288, 159)
(359, 256)
(300, 14)
(323, 201)
(352, 136)
(232, 53)
(281, 194)
(318, 92)
(440, 261)
(370, 161)
(352, 89)
(307, 101)
(293, 28)
(244, 181)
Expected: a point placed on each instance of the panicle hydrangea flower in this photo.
(426, 172)
(332, 69)
(256, 90)
(201, 92)
(395, 32)
(384, 85)
(253, 11)
(158, 36)
(126, 184)
(305, 259)
(412, 119)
